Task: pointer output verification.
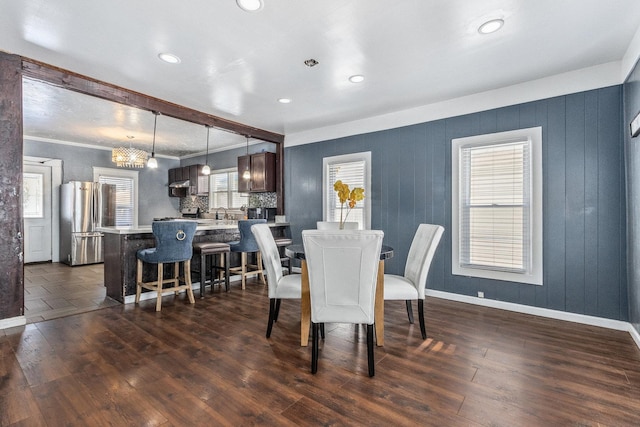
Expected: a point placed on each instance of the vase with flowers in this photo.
(350, 197)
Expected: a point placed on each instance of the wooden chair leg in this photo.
(275, 317)
(423, 329)
(409, 311)
(272, 315)
(259, 265)
(370, 350)
(314, 348)
(160, 280)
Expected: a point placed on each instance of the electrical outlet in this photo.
(480, 294)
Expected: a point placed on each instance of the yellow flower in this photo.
(351, 197)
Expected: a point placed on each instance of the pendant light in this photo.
(129, 157)
(246, 175)
(153, 162)
(206, 170)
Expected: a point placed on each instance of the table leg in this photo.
(305, 306)
(379, 305)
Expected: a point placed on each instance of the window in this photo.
(126, 183)
(354, 170)
(497, 206)
(223, 190)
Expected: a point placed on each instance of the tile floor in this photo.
(54, 290)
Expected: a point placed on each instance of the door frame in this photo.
(56, 181)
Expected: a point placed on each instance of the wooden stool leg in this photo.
(226, 270)
(138, 280)
(160, 280)
(243, 261)
(187, 280)
(203, 274)
(176, 276)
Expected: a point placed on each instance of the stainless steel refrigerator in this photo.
(85, 206)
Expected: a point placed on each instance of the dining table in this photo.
(297, 251)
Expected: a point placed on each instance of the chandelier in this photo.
(129, 157)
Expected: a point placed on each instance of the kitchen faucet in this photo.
(226, 215)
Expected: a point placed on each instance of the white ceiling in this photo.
(236, 65)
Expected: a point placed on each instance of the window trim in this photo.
(121, 173)
(327, 186)
(534, 275)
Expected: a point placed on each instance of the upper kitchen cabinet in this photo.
(188, 180)
(263, 173)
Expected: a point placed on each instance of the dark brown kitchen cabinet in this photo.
(198, 183)
(262, 167)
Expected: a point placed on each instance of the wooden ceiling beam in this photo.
(76, 82)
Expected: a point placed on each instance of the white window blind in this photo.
(353, 170)
(224, 190)
(125, 208)
(496, 212)
(495, 206)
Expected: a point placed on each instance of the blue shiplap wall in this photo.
(631, 108)
(584, 197)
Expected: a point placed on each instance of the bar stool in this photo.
(208, 252)
(280, 243)
(248, 244)
(173, 245)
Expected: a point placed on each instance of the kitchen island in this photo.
(122, 244)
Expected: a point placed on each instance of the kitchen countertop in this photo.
(203, 224)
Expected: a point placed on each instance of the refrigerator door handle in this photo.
(97, 208)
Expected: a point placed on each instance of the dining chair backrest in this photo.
(343, 269)
(270, 255)
(173, 241)
(423, 248)
(334, 225)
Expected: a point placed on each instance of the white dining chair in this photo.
(279, 285)
(335, 225)
(412, 285)
(343, 270)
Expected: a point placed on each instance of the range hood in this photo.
(180, 184)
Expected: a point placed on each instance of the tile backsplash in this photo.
(263, 200)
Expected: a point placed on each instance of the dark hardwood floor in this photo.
(210, 364)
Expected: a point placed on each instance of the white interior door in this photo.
(36, 204)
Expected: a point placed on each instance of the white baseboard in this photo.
(542, 312)
(12, 322)
(527, 309)
(634, 334)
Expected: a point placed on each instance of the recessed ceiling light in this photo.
(169, 57)
(249, 5)
(311, 62)
(284, 100)
(491, 26)
(358, 78)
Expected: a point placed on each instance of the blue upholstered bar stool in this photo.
(173, 245)
(245, 245)
(207, 251)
